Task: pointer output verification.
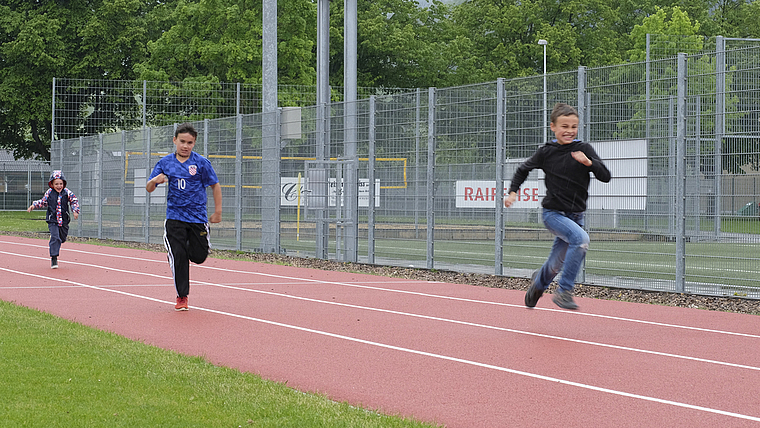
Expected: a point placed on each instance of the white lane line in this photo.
(447, 320)
(79, 284)
(486, 302)
(422, 353)
(439, 296)
(40, 287)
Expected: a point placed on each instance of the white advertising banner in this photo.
(482, 194)
(289, 192)
(626, 160)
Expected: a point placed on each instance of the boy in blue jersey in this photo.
(186, 231)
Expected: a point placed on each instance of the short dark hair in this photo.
(186, 128)
(562, 109)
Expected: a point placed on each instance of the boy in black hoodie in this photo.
(57, 199)
(566, 163)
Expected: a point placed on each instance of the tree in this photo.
(114, 38)
(746, 17)
(217, 40)
(675, 30)
(35, 44)
(504, 35)
(400, 44)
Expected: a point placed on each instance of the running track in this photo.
(457, 355)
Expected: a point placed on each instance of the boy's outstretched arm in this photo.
(510, 199)
(150, 186)
(74, 202)
(216, 217)
(41, 203)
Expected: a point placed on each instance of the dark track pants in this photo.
(185, 243)
(58, 235)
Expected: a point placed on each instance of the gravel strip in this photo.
(726, 304)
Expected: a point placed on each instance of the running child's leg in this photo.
(569, 229)
(553, 264)
(175, 241)
(198, 242)
(63, 232)
(55, 239)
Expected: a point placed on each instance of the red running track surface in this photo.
(452, 354)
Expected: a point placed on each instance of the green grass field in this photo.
(22, 221)
(58, 373)
(729, 264)
(732, 263)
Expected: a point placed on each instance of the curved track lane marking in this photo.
(408, 314)
(418, 352)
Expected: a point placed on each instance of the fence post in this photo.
(205, 138)
(673, 151)
(582, 135)
(416, 195)
(238, 181)
(52, 120)
(146, 135)
(431, 179)
(371, 179)
(351, 183)
(28, 185)
(144, 103)
(81, 185)
(582, 104)
(720, 111)
(323, 153)
(123, 185)
(270, 182)
(99, 188)
(681, 174)
(500, 160)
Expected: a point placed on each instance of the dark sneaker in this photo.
(564, 299)
(181, 304)
(54, 262)
(533, 294)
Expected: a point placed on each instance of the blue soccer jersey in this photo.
(186, 196)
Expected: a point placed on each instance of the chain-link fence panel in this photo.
(414, 178)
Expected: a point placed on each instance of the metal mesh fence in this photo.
(21, 181)
(84, 107)
(414, 178)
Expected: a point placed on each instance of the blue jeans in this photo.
(568, 251)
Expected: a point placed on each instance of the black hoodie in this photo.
(566, 179)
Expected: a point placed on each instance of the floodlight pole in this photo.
(270, 151)
(543, 43)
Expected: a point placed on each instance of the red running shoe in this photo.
(181, 304)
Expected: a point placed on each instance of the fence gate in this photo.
(331, 201)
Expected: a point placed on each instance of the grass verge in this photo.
(58, 373)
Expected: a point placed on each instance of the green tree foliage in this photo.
(675, 33)
(401, 44)
(671, 25)
(504, 35)
(113, 40)
(36, 40)
(220, 40)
